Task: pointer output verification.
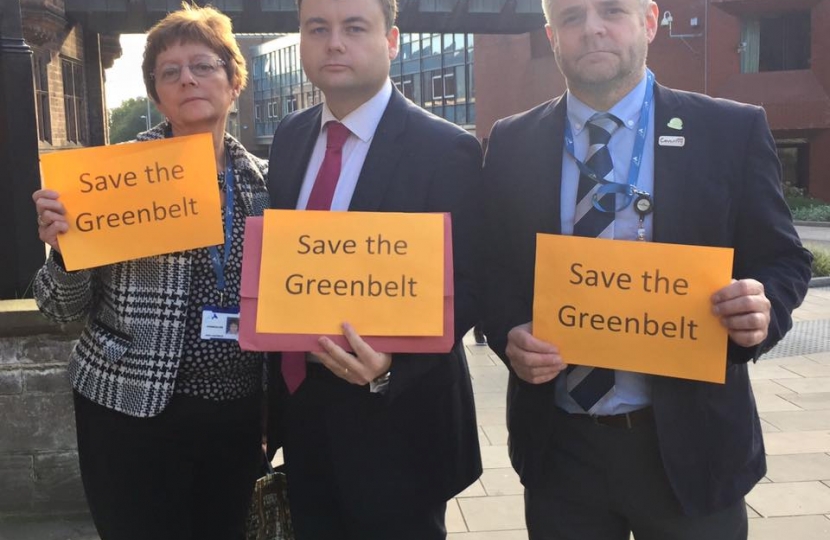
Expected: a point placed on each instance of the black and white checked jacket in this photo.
(127, 357)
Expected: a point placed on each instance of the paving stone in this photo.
(501, 482)
(493, 513)
(789, 499)
(791, 528)
(762, 370)
(495, 457)
(474, 360)
(811, 402)
(766, 427)
(497, 435)
(787, 360)
(453, 519)
(800, 442)
(498, 400)
(497, 535)
(473, 490)
(773, 402)
(806, 386)
(799, 420)
(482, 438)
(798, 467)
(750, 513)
(491, 417)
(490, 383)
(496, 360)
(767, 386)
(813, 369)
(821, 358)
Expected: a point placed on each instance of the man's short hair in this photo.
(547, 6)
(390, 11)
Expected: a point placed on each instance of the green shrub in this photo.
(804, 207)
(812, 213)
(821, 261)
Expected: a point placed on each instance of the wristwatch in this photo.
(380, 384)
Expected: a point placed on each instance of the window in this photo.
(74, 101)
(407, 87)
(437, 87)
(290, 102)
(449, 83)
(40, 63)
(776, 43)
(443, 86)
(794, 155)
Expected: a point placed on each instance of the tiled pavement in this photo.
(792, 502)
(793, 398)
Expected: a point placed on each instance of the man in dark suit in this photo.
(375, 443)
(663, 457)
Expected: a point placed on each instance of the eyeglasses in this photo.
(171, 73)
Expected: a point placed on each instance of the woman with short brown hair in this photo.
(168, 421)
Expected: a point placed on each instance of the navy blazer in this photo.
(722, 188)
(422, 443)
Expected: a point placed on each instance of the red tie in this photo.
(293, 363)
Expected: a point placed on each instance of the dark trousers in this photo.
(320, 502)
(608, 482)
(185, 474)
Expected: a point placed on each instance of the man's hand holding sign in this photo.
(355, 274)
(596, 298)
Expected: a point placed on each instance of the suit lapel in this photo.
(671, 166)
(294, 169)
(384, 154)
(552, 126)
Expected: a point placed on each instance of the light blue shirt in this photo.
(632, 391)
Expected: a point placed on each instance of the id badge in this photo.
(220, 323)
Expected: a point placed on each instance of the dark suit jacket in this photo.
(721, 189)
(423, 444)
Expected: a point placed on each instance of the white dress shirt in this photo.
(362, 122)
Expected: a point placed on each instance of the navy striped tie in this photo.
(587, 385)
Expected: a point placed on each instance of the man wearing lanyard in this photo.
(602, 453)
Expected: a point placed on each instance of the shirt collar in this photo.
(627, 109)
(364, 120)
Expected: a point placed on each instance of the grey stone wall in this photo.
(38, 452)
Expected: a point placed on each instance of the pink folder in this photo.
(250, 340)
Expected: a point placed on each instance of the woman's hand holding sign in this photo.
(534, 361)
(51, 217)
(362, 367)
(744, 310)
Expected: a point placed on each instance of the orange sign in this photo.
(135, 200)
(381, 272)
(634, 306)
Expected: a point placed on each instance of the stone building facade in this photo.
(68, 63)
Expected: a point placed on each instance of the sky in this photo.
(124, 78)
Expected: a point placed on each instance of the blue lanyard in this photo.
(219, 265)
(629, 190)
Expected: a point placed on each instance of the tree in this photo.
(129, 119)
